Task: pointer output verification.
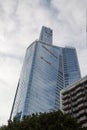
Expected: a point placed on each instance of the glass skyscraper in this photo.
(46, 70)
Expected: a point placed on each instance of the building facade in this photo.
(46, 70)
(46, 35)
(74, 101)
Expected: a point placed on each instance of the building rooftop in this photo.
(75, 84)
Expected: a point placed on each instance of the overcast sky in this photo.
(20, 25)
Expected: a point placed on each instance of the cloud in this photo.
(9, 75)
(82, 56)
(12, 56)
(20, 25)
(47, 4)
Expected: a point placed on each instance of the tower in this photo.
(44, 74)
(46, 35)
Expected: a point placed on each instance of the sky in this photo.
(20, 25)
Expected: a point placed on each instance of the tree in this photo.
(44, 121)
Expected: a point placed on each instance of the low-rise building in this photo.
(74, 101)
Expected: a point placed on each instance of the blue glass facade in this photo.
(71, 66)
(46, 70)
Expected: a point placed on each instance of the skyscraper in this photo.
(46, 70)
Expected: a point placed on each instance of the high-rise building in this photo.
(46, 35)
(74, 101)
(46, 70)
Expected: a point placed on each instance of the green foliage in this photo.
(46, 121)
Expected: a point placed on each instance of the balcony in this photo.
(82, 119)
(84, 125)
(75, 115)
(65, 102)
(66, 107)
(66, 96)
(80, 105)
(79, 94)
(81, 112)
